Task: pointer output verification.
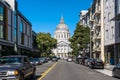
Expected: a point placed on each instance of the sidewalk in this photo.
(104, 71)
(107, 71)
(109, 67)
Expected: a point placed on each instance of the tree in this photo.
(45, 43)
(80, 39)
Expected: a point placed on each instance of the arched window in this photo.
(61, 35)
(68, 35)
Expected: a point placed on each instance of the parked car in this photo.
(16, 67)
(35, 61)
(82, 60)
(96, 63)
(44, 59)
(69, 59)
(116, 71)
(54, 58)
(87, 61)
(77, 60)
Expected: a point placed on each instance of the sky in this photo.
(45, 14)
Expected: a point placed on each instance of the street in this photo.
(71, 71)
(42, 40)
(42, 68)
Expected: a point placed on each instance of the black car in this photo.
(116, 71)
(96, 63)
(78, 60)
(82, 60)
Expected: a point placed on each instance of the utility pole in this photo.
(90, 44)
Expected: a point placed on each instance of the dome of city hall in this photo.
(62, 26)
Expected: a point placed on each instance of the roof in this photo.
(62, 25)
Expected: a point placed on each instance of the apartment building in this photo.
(83, 16)
(104, 21)
(97, 36)
(15, 29)
(94, 19)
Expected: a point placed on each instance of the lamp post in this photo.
(90, 44)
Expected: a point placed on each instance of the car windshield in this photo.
(10, 60)
(98, 60)
(54, 57)
(36, 59)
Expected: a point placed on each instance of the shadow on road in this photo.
(36, 77)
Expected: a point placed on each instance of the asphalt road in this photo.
(70, 71)
(40, 69)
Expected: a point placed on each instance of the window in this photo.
(1, 31)
(1, 13)
(119, 29)
(26, 60)
(10, 33)
(108, 17)
(21, 26)
(107, 34)
(15, 35)
(15, 21)
(26, 28)
(15, 30)
(21, 32)
(112, 32)
(28, 41)
(61, 36)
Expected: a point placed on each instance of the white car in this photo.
(69, 59)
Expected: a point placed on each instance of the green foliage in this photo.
(45, 43)
(82, 37)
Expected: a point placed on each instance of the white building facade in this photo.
(62, 35)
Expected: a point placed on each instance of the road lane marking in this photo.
(47, 71)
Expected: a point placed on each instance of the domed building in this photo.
(62, 35)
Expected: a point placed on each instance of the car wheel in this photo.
(91, 67)
(22, 77)
(113, 74)
(33, 74)
(102, 67)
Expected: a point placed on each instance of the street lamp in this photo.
(90, 44)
